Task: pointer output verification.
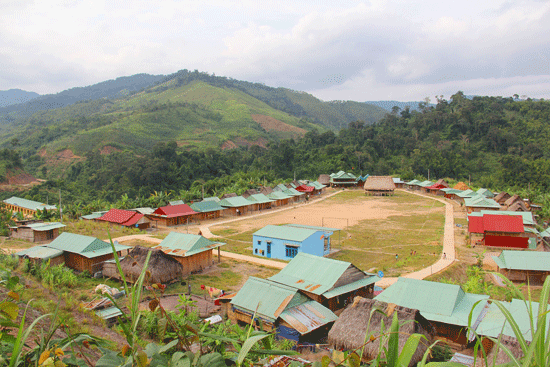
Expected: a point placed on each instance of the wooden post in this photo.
(219, 256)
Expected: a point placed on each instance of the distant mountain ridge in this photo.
(15, 96)
(388, 105)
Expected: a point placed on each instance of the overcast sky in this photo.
(347, 50)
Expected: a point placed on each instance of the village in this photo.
(307, 272)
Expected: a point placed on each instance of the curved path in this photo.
(447, 257)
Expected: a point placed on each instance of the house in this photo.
(296, 196)
(285, 242)
(332, 283)
(502, 197)
(212, 198)
(279, 198)
(398, 182)
(85, 253)
(511, 200)
(38, 254)
(412, 185)
(27, 207)
(463, 195)
(193, 252)
(280, 308)
(442, 182)
(173, 215)
(36, 232)
(436, 188)
(358, 319)
(126, 218)
(524, 266)
(379, 186)
(162, 268)
(360, 180)
(479, 203)
(486, 193)
(306, 189)
(461, 186)
(424, 186)
(318, 188)
(324, 179)
(499, 230)
(93, 215)
(342, 179)
(446, 306)
(518, 206)
(260, 201)
(207, 209)
(450, 193)
(236, 205)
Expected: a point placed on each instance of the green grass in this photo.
(98, 229)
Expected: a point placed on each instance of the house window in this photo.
(259, 242)
(291, 251)
(326, 243)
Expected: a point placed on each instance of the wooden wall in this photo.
(195, 263)
(81, 263)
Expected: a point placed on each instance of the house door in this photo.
(268, 250)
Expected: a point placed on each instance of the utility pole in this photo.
(60, 209)
(428, 174)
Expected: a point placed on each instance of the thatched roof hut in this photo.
(501, 357)
(348, 332)
(379, 185)
(461, 186)
(518, 206)
(442, 182)
(502, 197)
(324, 179)
(512, 199)
(162, 267)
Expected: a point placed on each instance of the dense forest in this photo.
(498, 143)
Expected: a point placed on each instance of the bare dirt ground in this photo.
(269, 123)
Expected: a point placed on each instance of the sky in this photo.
(336, 50)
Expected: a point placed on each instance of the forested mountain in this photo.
(15, 96)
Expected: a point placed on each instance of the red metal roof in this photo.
(175, 210)
(475, 224)
(436, 187)
(503, 223)
(133, 220)
(305, 188)
(122, 217)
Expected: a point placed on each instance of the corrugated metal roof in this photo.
(343, 175)
(144, 210)
(503, 223)
(122, 217)
(185, 244)
(475, 224)
(176, 202)
(278, 195)
(451, 191)
(311, 273)
(40, 227)
(234, 202)
(441, 302)
(29, 204)
(397, 180)
(285, 233)
(83, 245)
(480, 201)
(293, 192)
(425, 183)
(486, 193)
(528, 219)
(171, 211)
(308, 316)
(94, 215)
(206, 206)
(259, 199)
(317, 185)
(413, 182)
(40, 252)
(494, 321)
(270, 299)
(466, 193)
(351, 287)
(524, 260)
(213, 198)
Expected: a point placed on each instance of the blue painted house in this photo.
(285, 242)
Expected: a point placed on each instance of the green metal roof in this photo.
(317, 185)
(545, 233)
(40, 252)
(176, 202)
(86, 246)
(440, 302)
(41, 227)
(94, 215)
(494, 323)
(185, 244)
(480, 202)
(293, 192)
(280, 187)
(28, 204)
(311, 273)
(206, 206)
(278, 195)
(234, 202)
(523, 260)
(425, 183)
(268, 299)
(351, 286)
(259, 199)
(466, 193)
(450, 191)
(413, 182)
(285, 232)
(213, 198)
(343, 175)
(308, 316)
(485, 192)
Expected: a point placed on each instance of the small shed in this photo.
(36, 232)
(379, 185)
(38, 254)
(348, 332)
(163, 268)
(285, 242)
(479, 202)
(125, 218)
(413, 185)
(85, 253)
(173, 215)
(318, 187)
(193, 252)
(280, 308)
(524, 266)
(260, 201)
(333, 283)
(280, 198)
(398, 182)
